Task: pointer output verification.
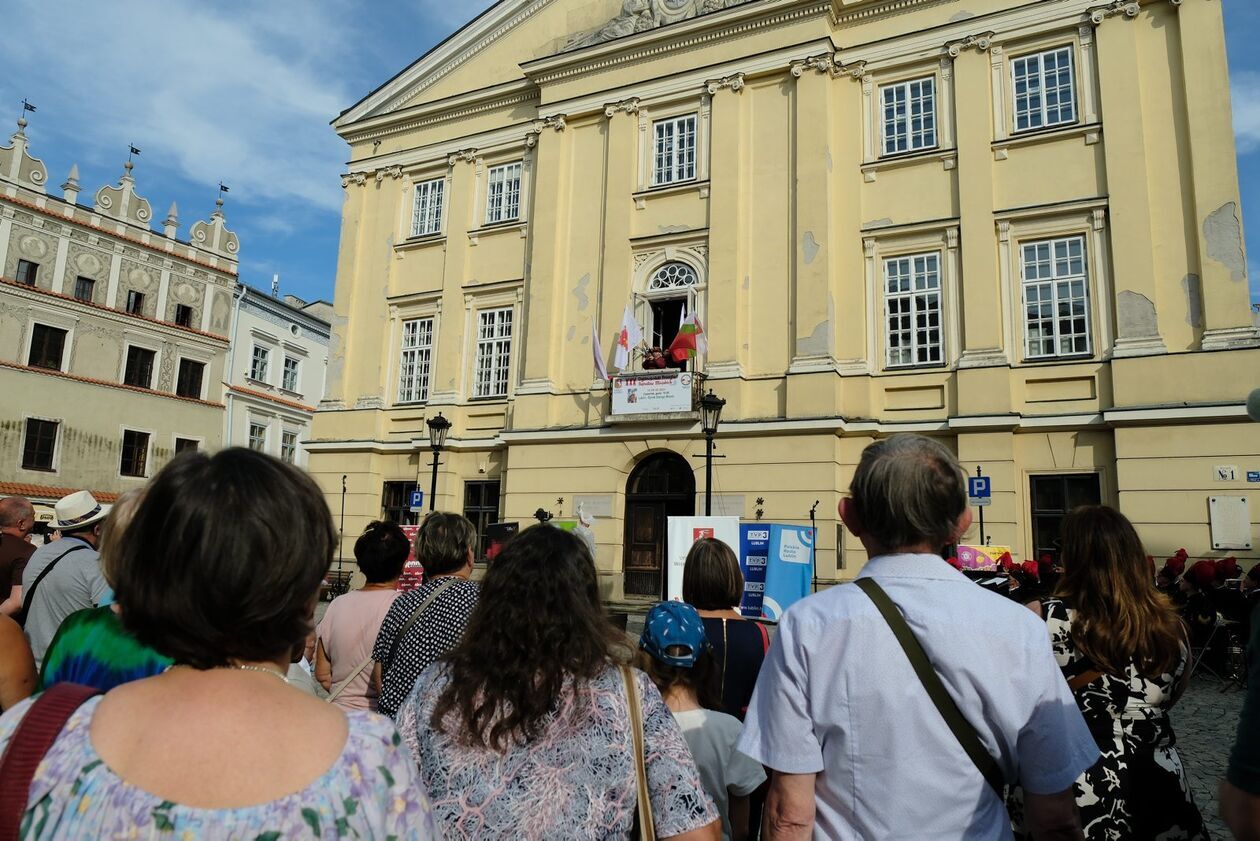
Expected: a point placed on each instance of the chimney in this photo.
(275, 285)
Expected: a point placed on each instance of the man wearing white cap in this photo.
(65, 575)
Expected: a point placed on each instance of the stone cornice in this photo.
(446, 110)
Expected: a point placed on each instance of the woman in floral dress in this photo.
(1123, 650)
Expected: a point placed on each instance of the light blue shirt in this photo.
(837, 697)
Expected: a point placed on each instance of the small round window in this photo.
(294, 329)
(673, 276)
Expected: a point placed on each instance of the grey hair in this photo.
(13, 510)
(909, 490)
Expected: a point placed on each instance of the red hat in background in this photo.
(1182, 553)
(954, 562)
(1203, 573)
(1006, 561)
(1227, 568)
(1176, 564)
(1032, 569)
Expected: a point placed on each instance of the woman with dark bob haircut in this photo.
(523, 731)
(714, 586)
(219, 570)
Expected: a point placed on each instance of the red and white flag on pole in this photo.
(690, 340)
(631, 336)
(601, 368)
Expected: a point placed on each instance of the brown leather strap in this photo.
(1084, 679)
(647, 825)
(39, 728)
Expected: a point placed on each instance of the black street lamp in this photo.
(710, 416)
(438, 428)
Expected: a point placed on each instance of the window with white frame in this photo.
(288, 446)
(1056, 297)
(289, 377)
(415, 363)
(426, 211)
(674, 150)
(494, 353)
(258, 363)
(912, 304)
(1044, 88)
(503, 194)
(909, 115)
(258, 436)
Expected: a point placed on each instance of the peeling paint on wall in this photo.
(568, 337)
(747, 281)
(961, 16)
(1192, 286)
(672, 229)
(818, 343)
(810, 247)
(579, 292)
(1222, 231)
(878, 223)
(1135, 315)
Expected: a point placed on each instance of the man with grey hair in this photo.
(844, 711)
(17, 520)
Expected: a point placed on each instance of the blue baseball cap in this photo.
(678, 626)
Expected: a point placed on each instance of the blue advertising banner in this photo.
(789, 569)
(754, 550)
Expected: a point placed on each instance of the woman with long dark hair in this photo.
(524, 730)
(1124, 652)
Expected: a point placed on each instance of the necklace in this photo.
(240, 666)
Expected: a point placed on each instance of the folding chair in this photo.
(1198, 654)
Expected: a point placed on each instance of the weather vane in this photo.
(26, 106)
(223, 189)
(131, 150)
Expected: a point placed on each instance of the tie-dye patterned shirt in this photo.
(92, 648)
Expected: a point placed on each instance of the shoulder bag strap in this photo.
(413, 619)
(647, 825)
(29, 744)
(341, 687)
(765, 637)
(29, 595)
(958, 725)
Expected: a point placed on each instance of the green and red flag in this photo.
(690, 340)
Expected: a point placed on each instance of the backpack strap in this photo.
(945, 705)
(29, 596)
(413, 619)
(32, 740)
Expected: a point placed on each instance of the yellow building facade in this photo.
(1012, 225)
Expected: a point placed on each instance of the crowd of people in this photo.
(149, 659)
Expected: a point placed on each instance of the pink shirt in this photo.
(347, 632)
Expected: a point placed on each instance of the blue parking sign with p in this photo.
(417, 501)
(978, 487)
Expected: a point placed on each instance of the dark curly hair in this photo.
(223, 558)
(538, 624)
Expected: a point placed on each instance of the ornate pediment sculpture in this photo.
(642, 15)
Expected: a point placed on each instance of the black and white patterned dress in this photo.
(1138, 788)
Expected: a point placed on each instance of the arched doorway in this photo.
(660, 486)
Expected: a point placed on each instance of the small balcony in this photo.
(667, 396)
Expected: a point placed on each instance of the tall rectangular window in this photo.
(426, 210)
(503, 194)
(396, 503)
(288, 446)
(674, 150)
(135, 453)
(909, 116)
(258, 437)
(183, 315)
(83, 288)
(135, 302)
(494, 353)
(27, 272)
(188, 382)
(912, 299)
(416, 360)
(40, 445)
(258, 363)
(1053, 498)
(186, 445)
(481, 507)
(48, 346)
(138, 370)
(1044, 89)
(289, 377)
(1056, 298)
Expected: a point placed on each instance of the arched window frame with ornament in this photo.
(657, 276)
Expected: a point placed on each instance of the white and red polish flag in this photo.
(631, 336)
(601, 368)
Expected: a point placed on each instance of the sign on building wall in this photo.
(652, 394)
(682, 533)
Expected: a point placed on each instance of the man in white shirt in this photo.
(858, 749)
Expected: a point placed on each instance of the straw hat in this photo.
(77, 511)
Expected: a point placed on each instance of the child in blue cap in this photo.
(675, 653)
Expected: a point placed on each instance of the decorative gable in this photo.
(643, 15)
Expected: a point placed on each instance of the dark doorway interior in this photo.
(1053, 497)
(661, 486)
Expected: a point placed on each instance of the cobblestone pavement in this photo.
(1206, 721)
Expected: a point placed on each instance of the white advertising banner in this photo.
(652, 394)
(682, 533)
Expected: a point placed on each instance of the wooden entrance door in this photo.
(660, 487)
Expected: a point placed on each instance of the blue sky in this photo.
(243, 91)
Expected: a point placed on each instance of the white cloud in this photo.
(1246, 94)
